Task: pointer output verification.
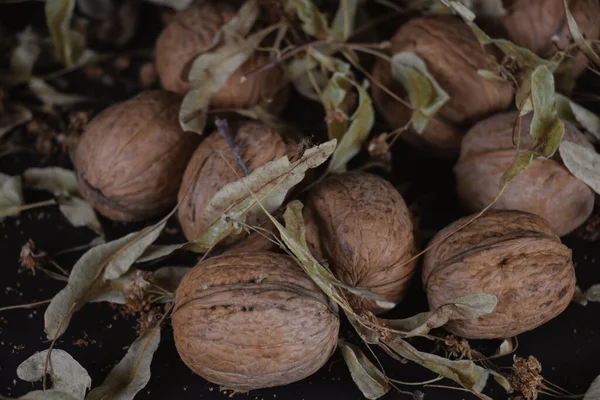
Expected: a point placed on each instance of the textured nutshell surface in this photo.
(131, 158)
(359, 224)
(533, 24)
(213, 166)
(453, 56)
(188, 34)
(545, 188)
(253, 320)
(513, 255)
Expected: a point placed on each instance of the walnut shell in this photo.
(452, 55)
(513, 255)
(361, 226)
(213, 166)
(534, 24)
(253, 320)
(131, 158)
(190, 32)
(545, 188)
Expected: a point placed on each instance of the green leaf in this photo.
(212, 68)
(269, 184)
(582, 162)
(91, 275)
(351, 131)
(132, 373)
(470, 306)
(522, 161)
(369, 379)
(584, 45)
(11, 195)
(593, 392)
(342, 26)
(425, 94)
(67, 374)
(546, 127)
(313, 21)
(68, 44)
(490, 75)
(578, 115)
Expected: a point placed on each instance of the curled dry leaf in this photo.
(132, 373)
(16, 115)
(473, 305)
(25, 55)
(370, 380)
(67, 374)
(63, 184)
(91, 275)
(585, 45)
(593, 392)
(351, 131)
(425, 94)
(582, 162)
(49, 95)
(267, 185)
(578, 115)
(68, 44)
(11, 195)
(506, 347)
(314, 23)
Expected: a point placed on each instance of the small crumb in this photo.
(80, 343)
(122, 62)
(147, 76)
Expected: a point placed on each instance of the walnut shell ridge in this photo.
(213, 165)
(253, 320)
(188, 34)
(360, 225)
(545, 188)
(131, 157)
(452, 55)
(513, 255)
(534, 23)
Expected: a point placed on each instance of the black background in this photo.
(566, 346)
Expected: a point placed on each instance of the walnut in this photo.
(541, 25)
(253, 320)
(361, 226)
(513, 255)
(214, 165)
(545, 188)
(192, 31)
(452, 55)
(131, 158)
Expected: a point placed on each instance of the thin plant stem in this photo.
(439, 378)
(29, 305)
(13, 210)
(68, 315)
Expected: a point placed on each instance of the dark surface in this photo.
(566, 346)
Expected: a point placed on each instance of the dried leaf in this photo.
(579, 297)
(577, 115)
(522, 161)
(67, 374)
(369, 379)
(116, 290)
(584, 45)
(593, 293)
(91, 275)
(269, 184)
(466, 307)
(425, 94)
(155, 252)
(546, 127)
(344, 20)
(506, 347)
(313, 21)
(490, 75)
(68, 44)
(213, 67)
(178, 5)
(464, 372)
(25, 55)
(350, 131)
(80, 213)
(48, 95)
(486, 8)
(169, 278)
(593, 392)
(582, 162)
(132, 373)
(16, 115)
(259, 113)
(11, 195)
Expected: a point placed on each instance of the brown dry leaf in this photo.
(132, 373)
(68, 376)
(369, 379)
(582, 162)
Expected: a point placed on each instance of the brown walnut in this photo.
(452, 55)
(214, 165)
(253, 320)
(192, 31)
(359, 224)
(131, 158)
(545, 188)
(513, 255)
(534, 24)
